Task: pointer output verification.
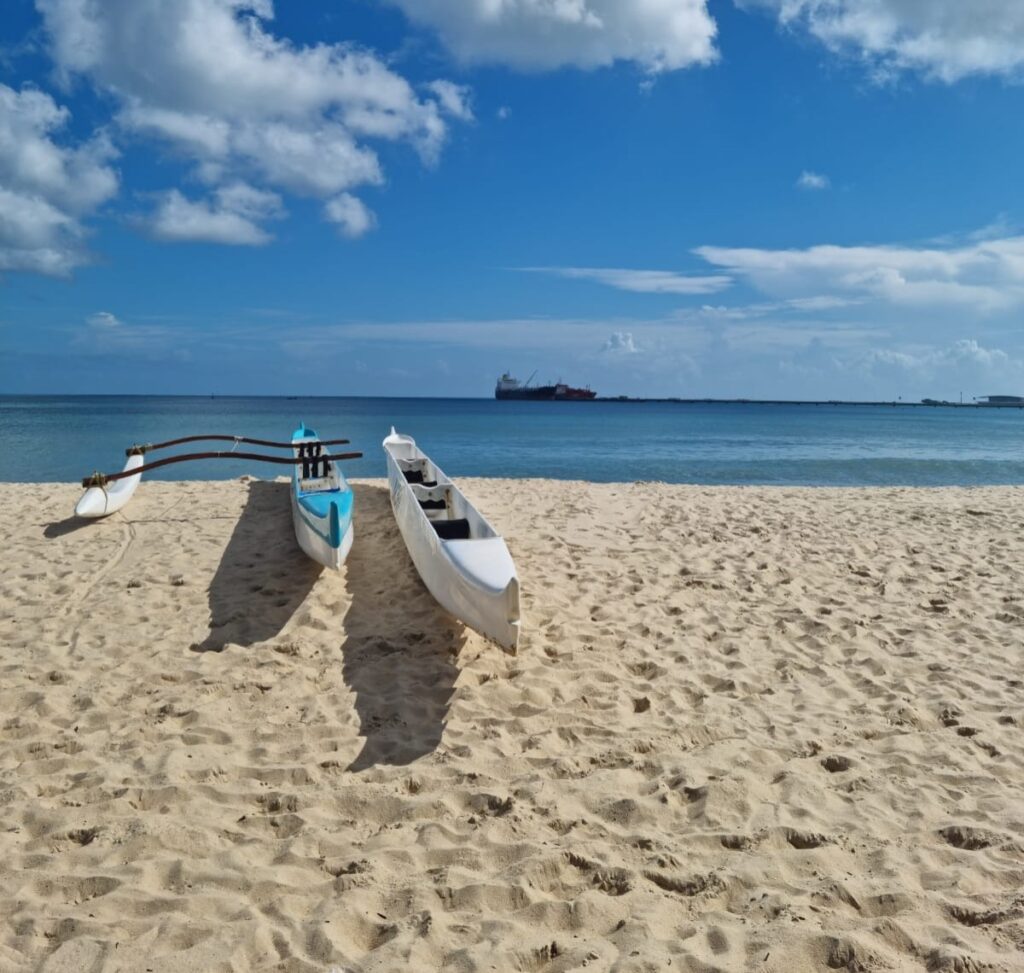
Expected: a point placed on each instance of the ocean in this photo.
(62, 438)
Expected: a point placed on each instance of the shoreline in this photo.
(748, 727)
(50, 485)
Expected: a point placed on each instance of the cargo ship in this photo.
(511, 388)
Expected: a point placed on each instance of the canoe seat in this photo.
(433, 504)
(416, 476)
(452, 530)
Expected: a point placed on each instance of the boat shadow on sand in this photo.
(400, 654)
(400, 650)
(60, 528)
(263, 576)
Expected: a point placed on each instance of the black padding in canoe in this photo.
(433, 504)
(413, 476)
(452, 530)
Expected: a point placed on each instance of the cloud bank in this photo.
(985, 277)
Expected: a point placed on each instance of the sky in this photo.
(797, 199)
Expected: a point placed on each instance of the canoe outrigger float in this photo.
(321, 497)
(461, 558)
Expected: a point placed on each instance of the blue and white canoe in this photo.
(321, 502)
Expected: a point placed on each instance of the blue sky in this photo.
(799, 198)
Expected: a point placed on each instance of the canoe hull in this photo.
(314, 540)
(103, 501)
(473, 579)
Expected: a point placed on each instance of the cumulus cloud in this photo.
(968, 350)
(986, 276)
(658, 35)
(46, 189)
(943, 39)
(812, 180)
(232, 215)
(208, 79)
(350, 214)
(620, 343)
(640, 281)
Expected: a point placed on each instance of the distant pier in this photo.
(924, 404)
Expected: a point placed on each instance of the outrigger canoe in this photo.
(461, 558)
(321, 502)
(321, 497)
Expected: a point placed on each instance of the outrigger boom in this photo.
(99, 501)
(140, 449)
(99, 479)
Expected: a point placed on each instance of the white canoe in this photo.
(99, 501)
(462, 560)
(321, 503)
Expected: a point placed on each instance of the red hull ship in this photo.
(510, 388)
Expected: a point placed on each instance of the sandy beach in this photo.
(747, 729)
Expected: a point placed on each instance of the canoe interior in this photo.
(315, 479)
(449, 512)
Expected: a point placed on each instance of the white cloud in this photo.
(640, 281)
(658, 35)
(812, 181)
(453, 98)
(46, 189)
(965, 357)
(887, 357)
(620, 343)
(814, 305)
(986, 276)
(968, 351)
(107, 334)
(943, 39)
(233, 215)
(103, 320)
(504, 112)
(819, 302)
(350, 214)
(209, 80)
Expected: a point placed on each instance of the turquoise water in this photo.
(63, 438)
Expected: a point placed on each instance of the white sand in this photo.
(747, 729)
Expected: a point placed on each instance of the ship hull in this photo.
(546, 393)
(542, 392)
